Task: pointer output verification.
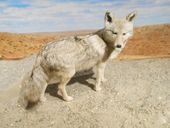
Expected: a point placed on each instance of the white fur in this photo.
(60, 60)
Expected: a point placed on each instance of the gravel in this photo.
(12, 71)
(136, 95)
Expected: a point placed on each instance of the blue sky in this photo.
(66, 15)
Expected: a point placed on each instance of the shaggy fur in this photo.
(60, 60)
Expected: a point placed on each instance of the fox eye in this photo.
(115, 33)
(124, 34)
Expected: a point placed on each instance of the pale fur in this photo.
(60, 60)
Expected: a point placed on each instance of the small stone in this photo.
(11, 125)
(160, 98)
(40, 120)
(163, 120)
(52, 123)
(18, 121)
(5, 110)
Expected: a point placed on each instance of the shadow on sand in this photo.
(52, 88)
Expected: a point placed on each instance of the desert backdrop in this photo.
(136, 94)
(147, 42)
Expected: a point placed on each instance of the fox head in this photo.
(118, 31)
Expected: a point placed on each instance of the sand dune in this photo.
(148, 42)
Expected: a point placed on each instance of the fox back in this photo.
(74, 52)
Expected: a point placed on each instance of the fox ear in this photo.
(108, 17)
(131, 16)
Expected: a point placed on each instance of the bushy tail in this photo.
(29, 92)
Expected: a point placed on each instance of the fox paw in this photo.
(104, 80)
(97, 88)
(59, 93)
(43, 99)
(68, 98)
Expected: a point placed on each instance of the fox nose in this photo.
(118, 46)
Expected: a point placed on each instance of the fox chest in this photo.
(88, 59)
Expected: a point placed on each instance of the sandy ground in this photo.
(136, 95)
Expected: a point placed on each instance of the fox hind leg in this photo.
(42, 95)
(64, 79)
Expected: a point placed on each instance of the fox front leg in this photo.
(100, 76)
(103, 79)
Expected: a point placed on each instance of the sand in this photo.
(147, 42)
(136, 95)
